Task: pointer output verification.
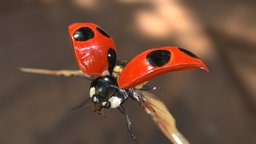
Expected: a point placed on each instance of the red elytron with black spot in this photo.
(92, 46)
(113, 82)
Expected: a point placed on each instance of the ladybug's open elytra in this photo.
(114, 82)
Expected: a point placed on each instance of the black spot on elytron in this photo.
(111, 59)
(159, 57)
(102, 32)
(83, 34)
(188, 53)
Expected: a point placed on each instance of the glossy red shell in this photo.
(91, 55)
(139, 70)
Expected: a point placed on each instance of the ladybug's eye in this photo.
(102, 32)
(158, 57)
(111, 60)
(83, 34)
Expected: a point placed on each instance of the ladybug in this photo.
(95, 53)
(114, 82)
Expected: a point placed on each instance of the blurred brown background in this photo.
(210, 108)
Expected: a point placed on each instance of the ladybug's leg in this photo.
(102, 113)
(129, 123)
(81, 105)
(149, 88)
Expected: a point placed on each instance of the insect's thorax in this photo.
(105, 93)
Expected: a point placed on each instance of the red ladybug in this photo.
(114, 82)
(96, 56)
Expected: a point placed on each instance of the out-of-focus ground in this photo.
(210, 108)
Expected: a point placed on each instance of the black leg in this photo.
(149, 88)
(81, 105)
(129, 123)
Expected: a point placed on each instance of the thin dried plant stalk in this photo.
(66, 73)
(164, 120)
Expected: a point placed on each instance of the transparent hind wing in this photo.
(163, 118)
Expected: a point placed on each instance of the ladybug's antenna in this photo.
(129, 123)
(81, 105)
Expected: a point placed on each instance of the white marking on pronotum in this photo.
(92, 91)
(115, 102)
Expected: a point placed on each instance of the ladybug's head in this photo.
(104, 93)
